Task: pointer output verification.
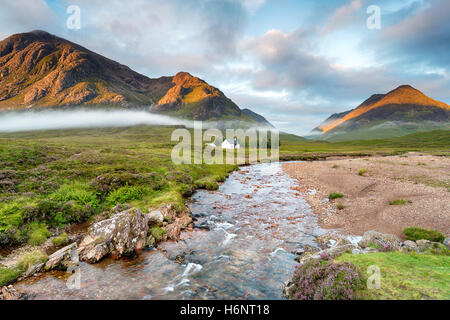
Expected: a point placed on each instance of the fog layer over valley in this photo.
(82, 118)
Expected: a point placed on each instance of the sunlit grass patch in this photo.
(397, 202)
(335, 195)
(405, 275)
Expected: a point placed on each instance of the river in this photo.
(256, 222)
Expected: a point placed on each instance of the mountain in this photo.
(38, 69)
(258, 117)
(401, 111)
(192, 97)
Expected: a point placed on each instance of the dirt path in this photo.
(423, 182)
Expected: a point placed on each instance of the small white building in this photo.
(230, 144)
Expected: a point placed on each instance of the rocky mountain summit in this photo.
(38, 69)
(404, 107)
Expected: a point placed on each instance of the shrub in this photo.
(157, 233)
(11, 215)
(326, 280)
(125, 194)
(31, 258)
(397, 202)
(8, 275)
(335, 195)
(340, 206)
(335, 166)
(37, 234)
(72, 212)
(61, 240)
(414, 234)
(75, 192)
(108, 182)
(361, 172)
(208, 183)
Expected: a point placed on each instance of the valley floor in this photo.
(385, 194)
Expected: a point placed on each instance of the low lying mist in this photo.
(32, 120)
(82, 118)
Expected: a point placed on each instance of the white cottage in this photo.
(230, 144)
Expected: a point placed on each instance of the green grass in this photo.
(335, 195)
(397, 202)
(59, 177)
(362, 172)
(31, 258)
(435, 142)
(405, 275)
(37, 234)
(8, 275)
(61, 240)
(414, 234)
(157, 233)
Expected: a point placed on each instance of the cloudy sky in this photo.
(293, 61)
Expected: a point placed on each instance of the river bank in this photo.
(385, 194)
(243, 245)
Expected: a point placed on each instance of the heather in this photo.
(52, 179)
(326, 280)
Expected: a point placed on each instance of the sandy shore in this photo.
(423, 182)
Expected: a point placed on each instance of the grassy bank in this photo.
(433, 142)
(405, 275)
(50, 179)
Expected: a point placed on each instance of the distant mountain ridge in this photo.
(38, 69)
(404, 105)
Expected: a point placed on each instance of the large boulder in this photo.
(9, 293)
(329, 253)
(435, 247)
(178, 220)
(384, 241)
(328, 240)
(63, 258)
(33, 269)
(409, 245)
(447, 243)
(120, 235)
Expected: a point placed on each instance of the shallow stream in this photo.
(243, 246)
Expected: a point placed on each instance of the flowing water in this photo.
(256, 220)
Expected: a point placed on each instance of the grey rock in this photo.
(329, 240)
(120, 235)
(390, 241)
(288, 289)
(447, 243)
(435, 247)
(35, 268)
(409, 245)
(423, 244)
(156, 217)
(202, 225)
(338, 250)
(332, 252)
(9, 293)
(63, 258)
